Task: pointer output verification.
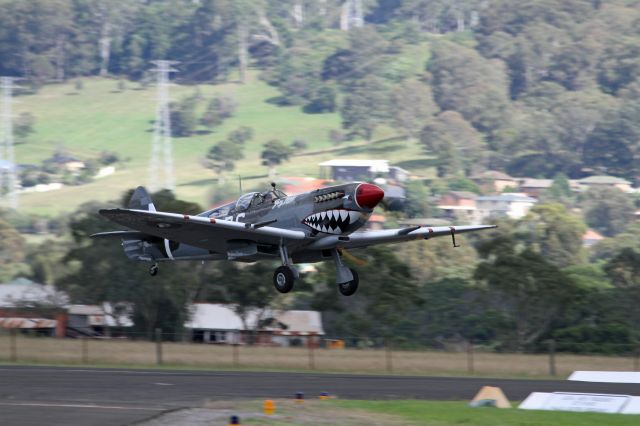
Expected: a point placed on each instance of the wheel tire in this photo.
(350, 287)
(153, 270)
(283, 279)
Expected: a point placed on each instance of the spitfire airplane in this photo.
(304, 228)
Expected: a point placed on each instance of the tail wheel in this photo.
(153, 270)
(283, 279)
(350, 287)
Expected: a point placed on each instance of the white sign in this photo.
(606, 376)
(566, 401)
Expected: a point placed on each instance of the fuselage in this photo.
(332, 211)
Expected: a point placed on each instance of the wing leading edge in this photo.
(387, 236)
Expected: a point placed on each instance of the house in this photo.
(93, 320)
(590, 238)
(604, 182)
(353, 170)
(513, 205)
(31, 307)
(219, 323)
(69, 163)
(494, 181)
(458, 203)
(535, 187)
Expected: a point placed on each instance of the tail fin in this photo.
(140, 200)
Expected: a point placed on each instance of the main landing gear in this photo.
(346, 278)
(285, 276)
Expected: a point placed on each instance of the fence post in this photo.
(14, 346)
(85, 350)
(470, 368)
(236, 355)
(312, 361)
(159, 346)
(552, 357)
(388, 355)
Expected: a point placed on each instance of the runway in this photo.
(79, 396)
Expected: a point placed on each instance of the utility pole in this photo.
(161, 145)
(6, 143)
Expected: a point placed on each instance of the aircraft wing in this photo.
(386, 236)
(198, 231)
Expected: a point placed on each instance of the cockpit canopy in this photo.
(248, 201)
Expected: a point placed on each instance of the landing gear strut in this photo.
(346, 278)
(153, 270)
(285, 276)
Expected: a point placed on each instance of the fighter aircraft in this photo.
(304, 228)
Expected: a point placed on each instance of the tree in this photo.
(219, 109)
(274, 153)
(624, 272)
(380, 306)
(526, 289)
(607, 210)
(24, 126)
(222, 157)
(12, 252)
(99, 272)
(613, 144)
(458, 146)
(413, 104)
(365, 107)
(240, 135)
(553, 232)
(466, 82)
(183, 117)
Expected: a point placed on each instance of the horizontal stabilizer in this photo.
(125, 235)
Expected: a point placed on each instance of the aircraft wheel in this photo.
(283, 279)
(153, 270)
(350, 287)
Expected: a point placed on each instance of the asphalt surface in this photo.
(80, 396)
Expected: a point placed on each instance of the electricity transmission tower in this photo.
(6, 143)
(161, 145)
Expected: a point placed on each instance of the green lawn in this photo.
(99, 117)
(440, 413)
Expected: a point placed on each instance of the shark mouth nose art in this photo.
(332, 221)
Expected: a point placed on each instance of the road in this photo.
(79, 396)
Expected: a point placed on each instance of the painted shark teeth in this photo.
(332, 221)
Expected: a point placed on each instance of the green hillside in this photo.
(99, 117)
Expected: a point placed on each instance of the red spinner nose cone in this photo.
(368, 195)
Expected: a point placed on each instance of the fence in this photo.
(464, 359)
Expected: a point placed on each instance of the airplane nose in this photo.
(368, 195)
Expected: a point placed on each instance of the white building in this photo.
(513, 206)
(219, 323)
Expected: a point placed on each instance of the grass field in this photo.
(189, 355)
(436, 413)
(99, 117)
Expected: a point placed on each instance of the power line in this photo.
(7, 152)
(161, 145)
